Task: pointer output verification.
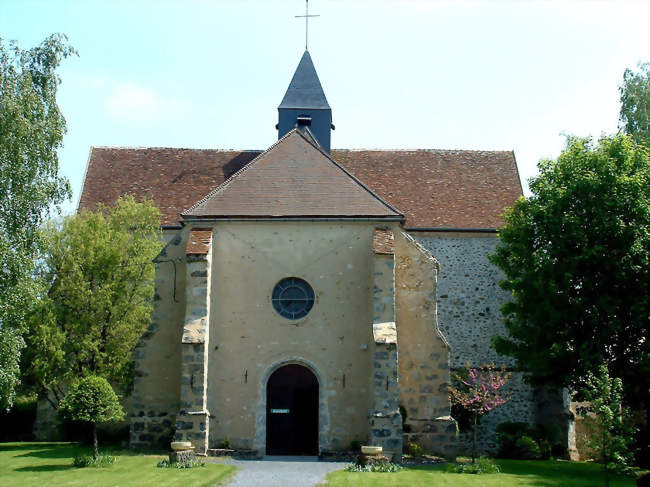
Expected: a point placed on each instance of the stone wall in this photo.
(385, 419)
(193, 420)
(423, 350)
(469, 301)
(468, 296)
(158, 357)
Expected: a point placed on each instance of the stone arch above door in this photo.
(259, 442)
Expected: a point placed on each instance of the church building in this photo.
(305, 296)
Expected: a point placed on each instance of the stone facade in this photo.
(469, 301)
(192, 422)
(423, 350)
(385, 418)
(225, 358)
(469, 297)
(156, 392)
(201, 376)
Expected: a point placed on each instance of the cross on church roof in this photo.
(306, 17)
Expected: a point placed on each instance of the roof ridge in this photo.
(360, 149)
(228, 181)
(422, 150)
(141, 147)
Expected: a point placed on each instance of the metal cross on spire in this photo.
(306, 17)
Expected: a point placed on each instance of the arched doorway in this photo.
(292, 412)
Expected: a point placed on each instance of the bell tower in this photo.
(304, 105)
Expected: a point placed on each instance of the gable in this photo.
(294, 178)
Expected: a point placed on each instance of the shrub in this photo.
(226, 443)
(507, 435)
(527, 448)
(355, 445)
(82, 461)
(613, 434)
(547, 436)
(102, 461)
(482, 465)
(545, 449)
(414, 449)
(180, 465)
(387, 467)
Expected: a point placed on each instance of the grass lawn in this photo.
(44, 464)
(513, 473)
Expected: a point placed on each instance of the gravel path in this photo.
(278, 471)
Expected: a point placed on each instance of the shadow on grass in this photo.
(5, 447)
(44, 468)
(59, 452)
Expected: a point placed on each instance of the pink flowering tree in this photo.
(478, 392)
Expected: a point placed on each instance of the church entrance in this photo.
(292, 412)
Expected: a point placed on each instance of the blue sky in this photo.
(491, 75)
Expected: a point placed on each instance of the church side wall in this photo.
(249, 339)
(155, 399)
(469, 301)
(423, 351)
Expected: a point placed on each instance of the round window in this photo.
(292, 298)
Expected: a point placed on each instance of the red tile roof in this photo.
(383, 242)
(432, 188)
(199, 241)
(438, 188)
(175, 178)
(293, 178)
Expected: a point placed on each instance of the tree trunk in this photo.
(474, 438)
(95, 449)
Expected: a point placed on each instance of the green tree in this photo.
(635, 104)
(98, 279)
(31, 131)
(91, 400)
(612, 434)
(576, 258)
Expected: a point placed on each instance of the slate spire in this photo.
(305, 106)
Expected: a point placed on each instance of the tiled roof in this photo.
(383, 242)
(439, 188)
(175, 178)
(293, 178)
(452, 189)
(199, 241)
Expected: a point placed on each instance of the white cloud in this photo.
(129, 102)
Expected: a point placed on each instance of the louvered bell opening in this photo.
(303, 121)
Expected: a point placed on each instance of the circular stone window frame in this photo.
(289, 282)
